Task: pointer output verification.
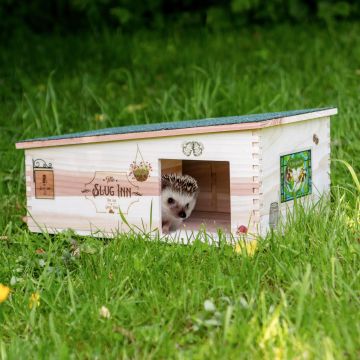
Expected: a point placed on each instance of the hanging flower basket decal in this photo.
(140, 170)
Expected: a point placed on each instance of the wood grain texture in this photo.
(69, 184)
(169, 166)
(289, 139)
(75, 166)
(242, 213)
(210, 220)
(213, 178)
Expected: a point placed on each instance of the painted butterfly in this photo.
(194, 147)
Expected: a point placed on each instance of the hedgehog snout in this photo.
(182, 214)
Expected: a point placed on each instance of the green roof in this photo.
(228, 120)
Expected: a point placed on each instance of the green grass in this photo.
(297, 297)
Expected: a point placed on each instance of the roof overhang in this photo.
(176, 132)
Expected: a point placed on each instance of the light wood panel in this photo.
(212, 221)
(214, 183)
(79, 213)
(289, 139)
(74, 166)
(67, 183)
(169, 166)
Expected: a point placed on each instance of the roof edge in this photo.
(39, 143)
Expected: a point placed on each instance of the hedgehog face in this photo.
(179, 193)
(176, 204)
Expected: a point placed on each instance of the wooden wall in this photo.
(213, 178)
(285, 139)
(77, 168)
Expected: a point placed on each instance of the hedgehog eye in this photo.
(171, 200)
(187, 206)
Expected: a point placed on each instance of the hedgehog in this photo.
(178, 195)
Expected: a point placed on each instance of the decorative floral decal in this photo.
(194, 147)
(41, 164)
(295, 175)
(140, 170)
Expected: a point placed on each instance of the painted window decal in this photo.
(296, 175)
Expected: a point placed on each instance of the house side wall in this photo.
(288, 139)
(82, 172)
(29, 182)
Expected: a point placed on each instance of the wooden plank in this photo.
(211, 220)
(201, 171)
(115, 155)
(82, 214)
(68, 183)
(213, 178)
(169, 166)
(242, 213)
(289, 139)
(177, 132)
(29, 175)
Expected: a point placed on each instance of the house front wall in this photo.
(83, 187)
(297, 140)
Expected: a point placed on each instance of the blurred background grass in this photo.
(75, 15)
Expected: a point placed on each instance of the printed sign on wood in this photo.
(111, 192)
(44, 184)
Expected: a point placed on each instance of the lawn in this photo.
(296, 297)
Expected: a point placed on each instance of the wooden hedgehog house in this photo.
(250, 169)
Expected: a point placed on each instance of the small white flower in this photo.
(104, 312)
(209, 306)
(41, 263)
